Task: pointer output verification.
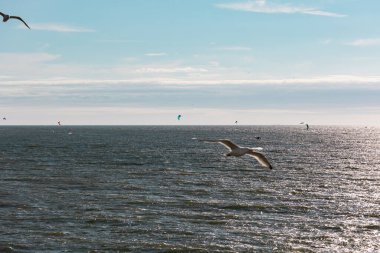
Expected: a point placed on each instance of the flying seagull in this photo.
(235, 150)
(179, 116)
(6, 17)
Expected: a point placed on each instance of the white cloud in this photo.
(261, 6)
(365, 42)
(53, 27)
(25, 64)
(36, 66)
(319, 81)
(155, 54)
(45, 69)
(27, 58)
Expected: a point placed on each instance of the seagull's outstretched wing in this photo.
(15, 17)
(227, 143)
(2, 14)
(260, 158)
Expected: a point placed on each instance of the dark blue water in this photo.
(155, 189)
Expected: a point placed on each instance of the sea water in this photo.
(156, 189)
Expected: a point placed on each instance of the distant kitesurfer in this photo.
(307, 125)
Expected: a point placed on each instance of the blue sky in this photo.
(213, 61)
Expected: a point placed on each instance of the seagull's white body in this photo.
(240, 151)
(237, 151)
